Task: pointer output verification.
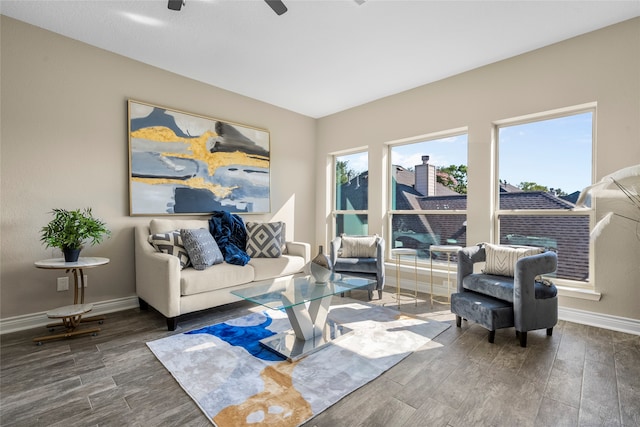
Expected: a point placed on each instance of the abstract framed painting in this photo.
(186, 164)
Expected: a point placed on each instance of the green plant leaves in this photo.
(72, 228)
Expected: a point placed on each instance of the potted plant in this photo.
(68, 230)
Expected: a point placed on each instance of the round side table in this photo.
(71, 315)
(448, 249)
(398, 253)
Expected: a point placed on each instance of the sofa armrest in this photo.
(380, 248)
(466, 258)
(301, 249)
(528, 312)
(157, 275)
(527, 269)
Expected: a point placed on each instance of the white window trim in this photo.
(389, 203)
(334, 211)
(568, 288)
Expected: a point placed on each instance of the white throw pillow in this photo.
(359, 246)
(501, 260)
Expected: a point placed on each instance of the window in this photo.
(428, 197)
(543, 164)
(351, 202)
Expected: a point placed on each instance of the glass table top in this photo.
(299, 290)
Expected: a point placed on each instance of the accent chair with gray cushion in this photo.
(361, 256)
(509, 291)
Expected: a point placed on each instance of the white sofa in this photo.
(173, 292)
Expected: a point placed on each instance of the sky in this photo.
(442, 152)
(556, 153)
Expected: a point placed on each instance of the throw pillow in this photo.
(264, 239)
(201, 247)
(501, 260)
(170, 243)
(359, 246)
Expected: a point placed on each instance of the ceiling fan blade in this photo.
(175, 4)
(277, 5)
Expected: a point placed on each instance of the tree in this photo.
(557, 192)
(453, 177)
(532, 186)
(343, 172)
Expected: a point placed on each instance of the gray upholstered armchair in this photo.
(361, 256)
(510, 285)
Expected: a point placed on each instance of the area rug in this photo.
(237, 382)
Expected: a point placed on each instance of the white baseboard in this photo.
(35, 320)
(605, 321)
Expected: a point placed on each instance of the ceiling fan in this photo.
(277, 5)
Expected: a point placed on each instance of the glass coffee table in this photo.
(307, 305)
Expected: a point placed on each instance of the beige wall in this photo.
(602, 67)
(64, 144)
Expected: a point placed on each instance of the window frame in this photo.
(334, 187)
(498, 212)
(390, 212)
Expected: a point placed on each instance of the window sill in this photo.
(441, 272)
(578, 293)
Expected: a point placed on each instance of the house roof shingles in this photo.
(568, 235)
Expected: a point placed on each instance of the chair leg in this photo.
(370, 293)
(458, 321)
(523, 339)
(379, 293)
(549, 332)
(492, 336)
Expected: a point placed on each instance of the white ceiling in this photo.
(320, 57)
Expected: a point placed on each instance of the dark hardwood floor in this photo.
(581, 376)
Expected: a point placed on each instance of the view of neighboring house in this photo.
(420, 190)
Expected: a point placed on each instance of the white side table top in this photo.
(403, 251)
(69, 311)
(444, 248)
(83, 262)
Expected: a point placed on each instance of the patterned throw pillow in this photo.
(501, 260)
(170, 243)
(202, 248)
(264, 240)
(359, 246)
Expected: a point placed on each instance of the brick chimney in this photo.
(425, 178)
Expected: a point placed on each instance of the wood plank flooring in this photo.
(581, 376)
